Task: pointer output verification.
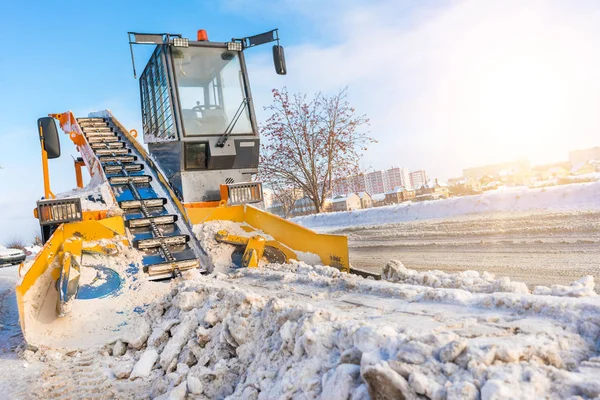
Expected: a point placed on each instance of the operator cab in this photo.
(197, 111)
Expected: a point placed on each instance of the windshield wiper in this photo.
(234, 120)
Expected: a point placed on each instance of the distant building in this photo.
(399, 195)
(346, 203)
(365, 200)
(578, 157)
(327, 205)
(357, 183)
(374, 182)
(341, 186)
(464, 186)
(394, 177)
(277, 209)
(268, 197)
(433, 190)
(378, 200)
(303, 206)
(418, 178)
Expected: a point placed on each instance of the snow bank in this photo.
(472, 281)
(294, 330)
(580, 196)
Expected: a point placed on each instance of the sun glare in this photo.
(521, 94)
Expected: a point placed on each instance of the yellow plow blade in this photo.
(331, 249)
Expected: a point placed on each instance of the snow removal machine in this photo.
(112, 245)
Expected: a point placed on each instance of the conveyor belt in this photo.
(156, 226)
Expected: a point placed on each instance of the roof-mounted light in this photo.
(234, 46)
(181, 42)
(202, 36)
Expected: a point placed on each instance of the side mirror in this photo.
(279, 60)
(49, 133)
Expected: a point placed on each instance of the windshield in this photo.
(211, 90)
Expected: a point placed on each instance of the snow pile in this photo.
(579, 196)
(94, 197)
(472, 281)
(300, 331)
(218, 253)
(581, 288)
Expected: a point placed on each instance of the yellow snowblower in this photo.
(111, 245)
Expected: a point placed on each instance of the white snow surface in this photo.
(302, 331)
(577, 196)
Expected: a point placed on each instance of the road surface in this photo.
(538, 249)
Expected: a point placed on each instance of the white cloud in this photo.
(460, 84)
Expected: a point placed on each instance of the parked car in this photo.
(11, 256)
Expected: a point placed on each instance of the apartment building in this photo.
(395, 177)
(418, 178)
(374, 182)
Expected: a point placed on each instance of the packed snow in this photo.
(577, 196)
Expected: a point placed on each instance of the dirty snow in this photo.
(577, 196)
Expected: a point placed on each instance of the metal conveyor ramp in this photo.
(156, 225)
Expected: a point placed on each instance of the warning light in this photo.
(202, 36)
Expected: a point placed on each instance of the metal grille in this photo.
(243, 193)
(51, 212)
(157, 115)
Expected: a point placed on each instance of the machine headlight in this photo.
(51, 212)
(234, 46)
(181, 42)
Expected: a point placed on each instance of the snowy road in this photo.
(535, 248)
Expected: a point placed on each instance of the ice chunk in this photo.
(144, 365)
(194, 385)
(338, 383)
(181, 334)
(138, 333)
(384, 383)
(496, 390)
(122, 370)
(119, 348)
(188, 300)
(462, 391)
(452, 350)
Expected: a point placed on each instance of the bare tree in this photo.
(15, 242)
(310, 144)
(286, 196)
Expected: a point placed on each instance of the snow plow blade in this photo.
(47, 291)
(331, 249)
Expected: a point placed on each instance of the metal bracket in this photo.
(148, 38)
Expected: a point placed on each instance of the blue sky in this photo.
(447, 84)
